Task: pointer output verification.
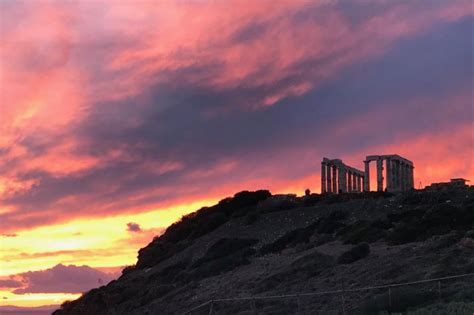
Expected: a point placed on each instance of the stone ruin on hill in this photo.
(337, 177)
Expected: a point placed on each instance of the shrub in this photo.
(225, 255)
(419, 225)
(247, 198)
(291, 238)
(207, 223)
(128, 269)
(402, 234)
(180, 234)
(362, 231)
(406, 216)
(252, 218)
(225, 247)
(170, 273)
(331, 222)
(220, 265)
(278, 203)
(355, 253)
(412, 198)
(312, 199)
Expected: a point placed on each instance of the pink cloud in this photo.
(63, 279)
(67, 59)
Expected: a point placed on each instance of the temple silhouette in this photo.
(394, 174)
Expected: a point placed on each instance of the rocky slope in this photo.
(256, 244)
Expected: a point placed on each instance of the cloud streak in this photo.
(111, 118)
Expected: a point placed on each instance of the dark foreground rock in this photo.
(255, 244)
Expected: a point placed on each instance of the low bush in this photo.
(223, 264)
(180, 234)
(128, 269)
(289, 239)
(279, 203)
(311, 200)
(355, 253)
(331, 222)
(225, 247)
(170, 273)
(362, 231)
(419, 225)
(251, 218)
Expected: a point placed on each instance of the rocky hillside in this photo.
(256, 244)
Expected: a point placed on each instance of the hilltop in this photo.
(256, 244)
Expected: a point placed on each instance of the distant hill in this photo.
(256, 244)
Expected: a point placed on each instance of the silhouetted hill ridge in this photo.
(258, 244)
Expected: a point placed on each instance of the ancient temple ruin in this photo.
(337, 177)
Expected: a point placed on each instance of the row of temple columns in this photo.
(338, 177)
(399, 173)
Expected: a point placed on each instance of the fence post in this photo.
(211, 306)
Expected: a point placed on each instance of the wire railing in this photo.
(343, 293)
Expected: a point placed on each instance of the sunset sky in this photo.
(118, 117)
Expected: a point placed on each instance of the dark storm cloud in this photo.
(150, 144)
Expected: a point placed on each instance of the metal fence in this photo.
(379, 299)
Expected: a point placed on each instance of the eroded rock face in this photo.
(294, 246)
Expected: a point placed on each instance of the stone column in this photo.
(323, 178)
(349, 181)
(407, 177)
(334, 179)
(388, 161)
(342, 179)
(328, 178)
(354, 182)
(395, 175)
(411, 177)
(399, 175)
(367, 175)
(379, 175)
(402, 176)
(359, 183)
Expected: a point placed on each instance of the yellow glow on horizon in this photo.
(96, 242)
(101, 239)
(35, 299)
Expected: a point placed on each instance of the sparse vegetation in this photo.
(226, 247)
(291, 238)
(180, 234)
(422, 223)
(211, 254)
(331, 222)
(363, 231)
(355, 253)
